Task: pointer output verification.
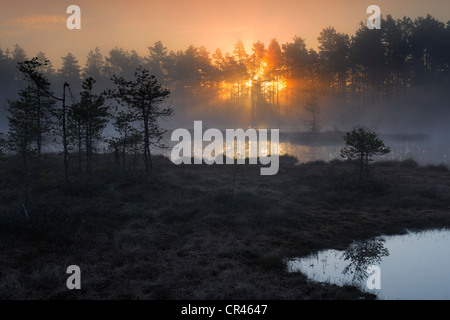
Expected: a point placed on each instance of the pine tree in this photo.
(96, 118)
(70, 72)
(22, 125)
(129, 138)
(142, 96)
(40, 95)
(312, 109)
(22, 133)
(94, 65)
(361, 145)
(2, 144)
(88, 118)
(76, 130)
(30, 69)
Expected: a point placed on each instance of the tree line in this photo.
(404, 61)
(67, 110)
(40, 117)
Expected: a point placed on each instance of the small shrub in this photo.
(288, 160)
(409, 163)
(336, 162)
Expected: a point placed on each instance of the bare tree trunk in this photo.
(27, 182)
(79, 149)
(367, 166)
(39, 135)
(88, 171)
(123, 158)
(147, 159)
(361, 166)
(25, 162)
(116, 156)
(89, 136)
(66, 150)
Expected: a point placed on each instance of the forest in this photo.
(394, 79)
(81, 182)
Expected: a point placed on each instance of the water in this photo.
(434, 150)
(415, 266)
(422, 152)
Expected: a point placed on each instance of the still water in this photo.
(415, 266)
(429, 150)
(422, 152)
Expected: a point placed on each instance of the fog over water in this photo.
(394, 81)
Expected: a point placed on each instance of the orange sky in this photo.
(136, 24)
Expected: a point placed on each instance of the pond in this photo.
(414, 266)
(423, 149)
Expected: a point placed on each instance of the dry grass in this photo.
(179, 234)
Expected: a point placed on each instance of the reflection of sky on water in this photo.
(424, 152)
(417, 267)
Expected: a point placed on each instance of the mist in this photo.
(392, 80)
(112, 186)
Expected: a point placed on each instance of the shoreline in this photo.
(180, 233)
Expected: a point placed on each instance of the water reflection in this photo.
(413, 266)
(424, 151)
(363, 254)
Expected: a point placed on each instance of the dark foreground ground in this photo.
(181, 233)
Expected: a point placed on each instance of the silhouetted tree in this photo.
(6, 76)
(129, 138)
(90, 117)
(334, 55)
(313, 111)
(70, 72)
(17, 55)
(397, 50)
(369, 63)
(62, 128)
(399, 68)
(116, 62)
(205, 68)
(2, 144)
(297, 60)
(143, 97)
(363, 254)
(95, 65)
(240, 67)
(76, 131)
(39, 93)
(429, 52)
(362, 144)
(46, 67)
(29, 68)
(122, 63)
(255, 60)
(157, 60)
(274, 60)
(22, 133)
(22, 125)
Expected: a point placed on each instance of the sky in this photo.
(137, 24)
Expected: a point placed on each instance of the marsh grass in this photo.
(178, 234)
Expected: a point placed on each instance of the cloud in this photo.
(217, 30)
(35, 23)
